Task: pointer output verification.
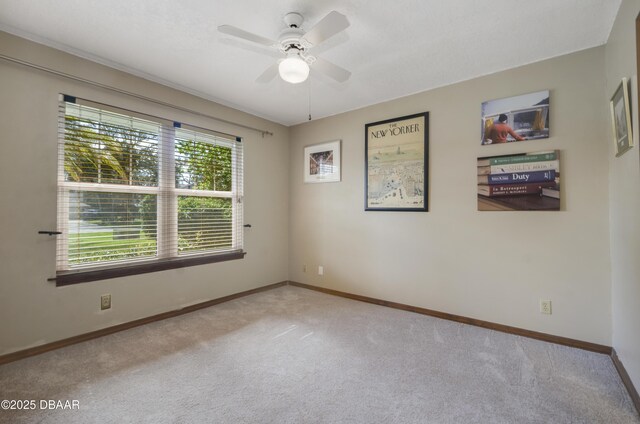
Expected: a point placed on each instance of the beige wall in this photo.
(493, 266)
(624, 205)
(490, 266)
(33, 311)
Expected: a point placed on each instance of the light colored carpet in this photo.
(291, 355)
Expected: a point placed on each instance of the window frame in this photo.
(167, 254)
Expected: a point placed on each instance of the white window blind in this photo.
(135, 188)
(206, 181)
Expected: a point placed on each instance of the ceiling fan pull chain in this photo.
(309, 99)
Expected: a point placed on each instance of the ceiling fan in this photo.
(294, 43)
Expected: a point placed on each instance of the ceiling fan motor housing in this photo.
(291, 38)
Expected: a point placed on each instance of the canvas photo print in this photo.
(520, 182)
(518, 118)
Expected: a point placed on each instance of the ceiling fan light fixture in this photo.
(293, 69)
(296, 43)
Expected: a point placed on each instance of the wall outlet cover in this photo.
(105, 302)
(545, 307)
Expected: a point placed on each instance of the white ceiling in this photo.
(392, 48)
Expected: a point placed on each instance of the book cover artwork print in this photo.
(520, 182)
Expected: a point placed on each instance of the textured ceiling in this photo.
(392, 48)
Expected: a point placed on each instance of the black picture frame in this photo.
(396, 157)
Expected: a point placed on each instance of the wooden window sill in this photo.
(66, 278)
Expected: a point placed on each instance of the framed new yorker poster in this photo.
(396, 164)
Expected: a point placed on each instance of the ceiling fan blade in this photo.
(330, 25)
(240, 33)
(268, 74)
(329, 69)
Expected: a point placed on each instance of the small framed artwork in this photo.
(621, 118)
(396, 164)
(518, 118)
(322, 162)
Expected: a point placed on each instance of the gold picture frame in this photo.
(621, 118)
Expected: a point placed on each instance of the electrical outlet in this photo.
(105, 301)
(304, 268)
(545, 307)
(320, 270)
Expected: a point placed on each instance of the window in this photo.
(138, 190)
